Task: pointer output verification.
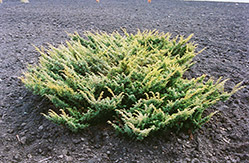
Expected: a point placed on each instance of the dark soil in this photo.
(26, 136)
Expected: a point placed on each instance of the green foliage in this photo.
(135, 82)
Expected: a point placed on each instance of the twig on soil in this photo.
(18, 138)
(45, 159)
(225, 140)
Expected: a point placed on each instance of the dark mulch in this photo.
(220, 27)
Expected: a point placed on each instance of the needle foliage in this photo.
(132, 81)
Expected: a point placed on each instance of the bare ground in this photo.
(26, 136)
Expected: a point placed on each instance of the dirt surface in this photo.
(26, 136)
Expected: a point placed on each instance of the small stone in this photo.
(69, 158)
(195, 160)
(188, 159)
(10, 131)
(150, 152)
(7, 149)
(38, 136)
(22, 133)
(23, 140)
(92, 160)
(179, 140)
(97, 146)
(64, 152)
(87, 150)
(40, 127)
(29, 156)
(23, 124)
(50, 148)
(184, 136)
(105, 134)
(17, 157)
(40, 150)
(60, 156)
(76, 141)
(187, 145)
(108, 152)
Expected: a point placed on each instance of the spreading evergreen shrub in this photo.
(135, 82)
